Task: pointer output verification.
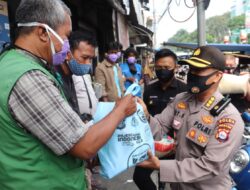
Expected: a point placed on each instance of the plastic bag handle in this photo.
(133, 89)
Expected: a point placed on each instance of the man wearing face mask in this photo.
(131, 70)
(75, 74)
(156, 98)
(208, 128)
(159, 94)
(109, 75)
(43, 141)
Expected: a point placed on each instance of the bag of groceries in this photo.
(129, 143)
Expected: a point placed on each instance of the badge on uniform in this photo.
(202, 138)
(207, 119)
(176, 124)
(225, 126)
(210, 102)
(227, 120)
(192, 133)
(222, 135)
(182, 105)
(198, 137)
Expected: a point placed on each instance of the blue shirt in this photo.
(127, 74)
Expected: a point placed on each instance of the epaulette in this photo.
(220, 106)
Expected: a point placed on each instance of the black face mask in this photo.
(164, 75)
(197, 84)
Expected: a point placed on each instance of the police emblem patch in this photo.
(195, 90)
(192, 133)
(182, 105)
(207, 119)
(222, 135)
(202, 138)
(226, 120)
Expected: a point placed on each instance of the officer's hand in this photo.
(126, 105)
(140, 101)
(153, 162)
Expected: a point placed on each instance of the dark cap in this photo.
(206, 57)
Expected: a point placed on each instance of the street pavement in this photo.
(124, 181)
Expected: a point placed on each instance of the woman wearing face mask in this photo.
(109, 75)
(131, 70)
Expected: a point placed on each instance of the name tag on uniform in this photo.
(153, 97)
(176, 124)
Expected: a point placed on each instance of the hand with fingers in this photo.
(141, 102)
(152, 162)
(127, 105)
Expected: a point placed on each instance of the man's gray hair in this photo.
(50, 12)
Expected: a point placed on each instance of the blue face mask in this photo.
(79, 69)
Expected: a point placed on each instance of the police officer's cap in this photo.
(206, 57)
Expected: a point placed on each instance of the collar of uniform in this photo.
(173, 84)
(194, 104)
(213, 100)
(107, 63)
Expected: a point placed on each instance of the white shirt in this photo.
(82, 96)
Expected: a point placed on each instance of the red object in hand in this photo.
(164, 147)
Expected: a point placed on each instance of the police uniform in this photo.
(205, 143)
(156, 99)
(208, 135)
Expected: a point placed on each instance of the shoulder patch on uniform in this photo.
(210, 102)
(207, 119)
(222, 135)
(224, 126)
(182, 105)
(226, 120)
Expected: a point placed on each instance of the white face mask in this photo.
(48, 29)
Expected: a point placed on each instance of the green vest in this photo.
(25, 162)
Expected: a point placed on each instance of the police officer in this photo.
(156, 97)
(208, 128)
(158, 94)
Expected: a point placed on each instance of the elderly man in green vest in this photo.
(43, 141)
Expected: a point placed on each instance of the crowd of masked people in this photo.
(50, 92)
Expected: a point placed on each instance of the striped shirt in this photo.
(38, 106)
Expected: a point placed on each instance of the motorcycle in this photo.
(240, 164)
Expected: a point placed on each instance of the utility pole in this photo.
(154, 24)
(201, 22)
